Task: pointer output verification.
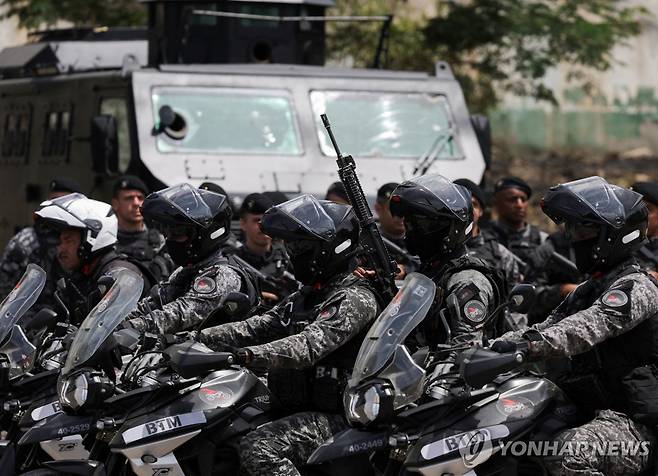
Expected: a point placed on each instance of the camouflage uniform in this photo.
(312, 334)
(147, 247)
(190, 294)
(478, 289)
(23, 248)
(605, 327)
(520, 242)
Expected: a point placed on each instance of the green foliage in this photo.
(36, 14)
(496, 45)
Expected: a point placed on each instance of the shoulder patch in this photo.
(328, 312)
(615, 298)
(474, 311)
(204, 285)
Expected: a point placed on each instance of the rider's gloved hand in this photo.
(243, 356)
(504, 346)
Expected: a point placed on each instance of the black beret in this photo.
(513, 182)
(255, 203)
(385, 191)
(129, 182)
(213, 187)
(649, 190)
(475, 190)
(65, 184)
(276, 197)
(337, 188)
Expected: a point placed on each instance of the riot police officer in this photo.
(607, 326)
(265, 254)
(510, 201)
(309, 341)
(34, 245)
(438, 219)
(195, 224)
(144, 245)
(87, 231)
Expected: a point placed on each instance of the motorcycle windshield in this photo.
(20, 353)
(407, 309)
(21, 298)
(104, 318)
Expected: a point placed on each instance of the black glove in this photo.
(243, 357)
(504, 346)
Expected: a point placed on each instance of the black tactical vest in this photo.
(319, 388)
(597, 379)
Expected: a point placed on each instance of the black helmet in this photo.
(320, 236)
(438, 215)
(604, 222)
(195, 222)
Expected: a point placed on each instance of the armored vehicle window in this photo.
(227, 121)
(56, 134)
(118, 108)
(16, 133)
(399, 125)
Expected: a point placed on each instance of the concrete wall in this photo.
(620, 114)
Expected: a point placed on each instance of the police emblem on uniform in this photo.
(474, 311)
(204, 285)
(328, 312)
(614, 298)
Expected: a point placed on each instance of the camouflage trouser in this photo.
(608, 426)
(278, 448)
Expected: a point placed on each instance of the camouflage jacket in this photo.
(190, 294)
(624, 301)
(293, 336)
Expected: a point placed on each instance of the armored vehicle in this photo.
(225, 91)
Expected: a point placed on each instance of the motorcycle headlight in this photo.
(83, 390)
(369, 404)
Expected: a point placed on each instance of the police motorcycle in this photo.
(411, 420)
(18, 357)
(182, 414)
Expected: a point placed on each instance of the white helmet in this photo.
(95, 219)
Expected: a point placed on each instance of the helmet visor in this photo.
(578, 232)
(589, 200)
(182, 204)
(435, 195)
(302, 218)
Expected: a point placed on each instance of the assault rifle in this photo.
(375, 252)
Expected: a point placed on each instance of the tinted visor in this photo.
(589, 200)
(301, 218)
(423, 225)
(577, 232)
(183, 204)
(299, 247)
(175, 232)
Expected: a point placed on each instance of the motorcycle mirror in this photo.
(43, 318)
(521, 298)
(189, 360)
(479, 367)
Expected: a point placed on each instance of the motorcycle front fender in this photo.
(348, 443)
(57, 426)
